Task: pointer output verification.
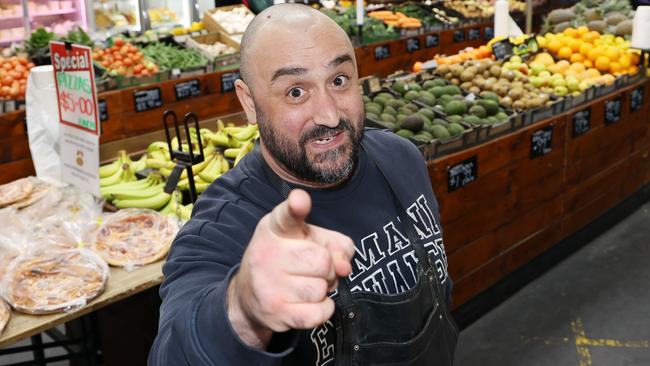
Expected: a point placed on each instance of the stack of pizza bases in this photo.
(135, 237)
(23, 192)
(5, 313)
(44, 282)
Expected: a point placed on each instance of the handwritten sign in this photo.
(147, 99)
(187, 89)
(382, 52)
(103, 110)
(432, 40)
(502, 49)
(488, 34)
(613, 110)
(228, 81)
(474, 34)
(459, 35)
(79, 130)
(541, 141)
(636, 99)
(462, 174)
(412, 44)
(581, 122)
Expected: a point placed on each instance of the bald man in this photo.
(323, 246)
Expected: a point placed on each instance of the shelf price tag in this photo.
(636, 99)
(462, 174)
(459, 35)
(79, 129)
(474, 34)
(412, 44)
(488, 33)
(541, 141)
(581, 122)
(382, 52)
(432, 40)
(103, 110)
(187, 89)
(147, 99)
(228, 81)
(502, 49)
(613, 110)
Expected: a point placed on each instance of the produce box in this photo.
(220, 61)
(211, 24)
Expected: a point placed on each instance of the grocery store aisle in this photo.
(592, 309)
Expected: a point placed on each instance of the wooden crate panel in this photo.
(15, 170)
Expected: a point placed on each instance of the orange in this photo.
(635, 59)
(576, 57)
(595, 53)
(615, 67)
(578, 67)
(625, 61)
(612, 53)
(591, 36)
(565, 52)
(582, 30)
(585, 48)
(602, 63)
(633, 70)
(593, 73)
(588, 64)
(574, 44)
(571, 32)
(554, 45)
(417, 66)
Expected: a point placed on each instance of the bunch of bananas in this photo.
(119, 183)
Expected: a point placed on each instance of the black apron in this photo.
(412, 328)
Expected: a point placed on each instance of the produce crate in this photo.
(222, 61)
(572, 101)
(545, 112)
(370, 122)
(212, 25)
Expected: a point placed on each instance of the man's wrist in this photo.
(249, 331)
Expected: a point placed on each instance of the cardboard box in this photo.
(220, 61)
(212, 25)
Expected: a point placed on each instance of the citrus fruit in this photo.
(565, 52)
(554, 45)
(576, 57)
(602, 63)
(585, 48)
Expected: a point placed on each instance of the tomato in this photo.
(118, 42)
(118, 57)
(106, 64)
(128, 62)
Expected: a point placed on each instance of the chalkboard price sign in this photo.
(432, 40)
(147, 99)
(459, 35)
(187, 89)
(541, 141)
(636, 99)
(488, 34)
(382, 52)
(412, 45)
(581, 122)
(462, 174)
(228, 81)
(103, 110)
(474, 34)
(613, 110)
(502, 49)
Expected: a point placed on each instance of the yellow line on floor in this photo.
(584, 356)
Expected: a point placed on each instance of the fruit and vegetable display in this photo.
(169, 57)
(38, 43)
(607, 53)
(124, 59)
(373, 28)
(162, 16)
(215, 49)
(479, 53)
(120, 185)
(194, 27)
(13, 77)
(233, 21)
(604, 16)
(396, 19)
(407, 119)
(480, 8)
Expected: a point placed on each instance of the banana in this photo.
(107, 192)
(158, 164)
(185, 211)
(220, 125)
(231, 152)
(172, 205)
(232, 130)
(218, 139)
(155, 202)
(107, 170)
(117, 177)
(138, 194)
(225, 166)
(246, 134)
(139, 164)
(245, 149)
(159, 146)
(196, 168)
(234, 143)
(212, 171)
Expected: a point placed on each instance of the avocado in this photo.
(455, 129)
(491, 107)
(411, 95)
(428, 84)
(414, 108)
(399, 87)
(452, 90)
(413, 123)
(427, 99)
(455, 118)
(390, 125)
(488, 95)
(445, 98)
(390, 110)
(478, 111)
(440, 132)
(379, 100)
(388, 117)
(424, 136)
(439, 82)
(472, 120)
(427, 112)
(366, 99)
(395, 103)
(437, 91)
(414, 86)
(501, 116)
(372, 116)
(385, 95)
(373, 109)
(440, 121)
(375, 105)
(455, 107)
(425, 119)
(405, 133)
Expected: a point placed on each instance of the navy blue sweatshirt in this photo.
(194, 328)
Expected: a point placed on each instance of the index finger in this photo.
(288, 218)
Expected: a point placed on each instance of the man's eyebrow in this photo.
(340, 60)
(288, 71)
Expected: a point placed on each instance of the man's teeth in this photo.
(324, 141)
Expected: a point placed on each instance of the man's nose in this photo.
(326, 110)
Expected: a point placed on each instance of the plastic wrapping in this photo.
(43, 282)
(23, 192)
(135, 237)
(13, 238)
(5, 314)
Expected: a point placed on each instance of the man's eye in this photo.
(339, 80)
(296, 92)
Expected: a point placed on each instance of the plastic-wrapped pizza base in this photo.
(135, 237)
(5, 314)
(43, 283)
(15, 191)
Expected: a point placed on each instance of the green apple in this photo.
(561, 90)
(545, 74)
(536, 81)
(515, 59)
(559, 82)
(537, 67)
(584, 86)
(573, 84)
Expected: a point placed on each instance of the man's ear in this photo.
(246, 100)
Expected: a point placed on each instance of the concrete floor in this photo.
(592, 309)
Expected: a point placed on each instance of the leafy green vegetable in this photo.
(78, 36)
(168, 57)
(38, 43)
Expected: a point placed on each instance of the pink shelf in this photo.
(10, 40)
(13, 17)
(56, 12)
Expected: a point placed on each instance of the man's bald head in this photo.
(296, 17)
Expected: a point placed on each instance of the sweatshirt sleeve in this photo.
(194, 328)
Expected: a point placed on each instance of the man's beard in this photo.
(293, 155)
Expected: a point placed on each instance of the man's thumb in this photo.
(288, 218)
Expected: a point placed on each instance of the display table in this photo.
(120, 285)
